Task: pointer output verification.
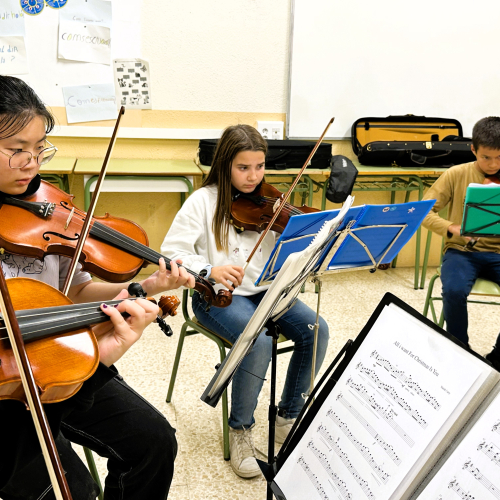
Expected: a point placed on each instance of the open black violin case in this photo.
(410, 141)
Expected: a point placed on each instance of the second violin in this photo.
(253, 212)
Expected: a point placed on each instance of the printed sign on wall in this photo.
(132, 83)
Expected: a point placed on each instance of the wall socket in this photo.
(271, 130)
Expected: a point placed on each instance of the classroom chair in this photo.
(190, 327)
(93, 470)
(481, 288)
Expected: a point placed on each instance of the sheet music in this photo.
(472, 472)
(385, 415)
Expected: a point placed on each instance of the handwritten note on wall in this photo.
(13, 60)
(89, 103)
(85, 32)
(11, 18)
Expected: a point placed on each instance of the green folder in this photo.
(481, 211)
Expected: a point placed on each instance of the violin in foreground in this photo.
(46, 222)
(59, 341)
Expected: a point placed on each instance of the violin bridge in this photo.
(70, 216)
(277, 203)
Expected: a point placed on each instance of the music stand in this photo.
(324, 251)
(279, 298)
(369, 235)
(481, 211)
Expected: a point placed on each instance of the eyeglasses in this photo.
(22, 158)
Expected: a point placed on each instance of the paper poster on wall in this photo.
(13, 59)
(90, 103)
(11, 18)
(132, 83)
(85, 31)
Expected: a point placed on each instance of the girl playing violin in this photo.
(105, 415)
(203, 237)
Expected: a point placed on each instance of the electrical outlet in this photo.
(271, 130)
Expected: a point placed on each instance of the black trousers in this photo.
(122, 426)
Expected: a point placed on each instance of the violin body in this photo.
(60, 364)
(26, 233)
(254, 212)
(115, 249)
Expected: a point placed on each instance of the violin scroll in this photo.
(206, 290)
(168, 305)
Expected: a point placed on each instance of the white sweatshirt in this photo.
(191, 239)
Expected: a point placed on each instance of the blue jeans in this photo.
(459, 271)
(229, 322)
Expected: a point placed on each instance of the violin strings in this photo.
(119, 240)
(77, 321)
(293, 210)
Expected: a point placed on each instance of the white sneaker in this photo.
(282, 428)
(242, 452)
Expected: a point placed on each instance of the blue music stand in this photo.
(370, 235)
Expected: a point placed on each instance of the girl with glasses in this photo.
(105, 415)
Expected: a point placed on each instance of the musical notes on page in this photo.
(472, 470)
(387, 409)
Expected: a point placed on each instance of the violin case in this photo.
(281, 154)
(410, 141)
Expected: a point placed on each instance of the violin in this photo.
(45, 222)
(60, 344)
(254, 211)
(492, 179)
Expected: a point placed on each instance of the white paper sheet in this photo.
(13, 58)
(88, 103)
(472, 471)
(11, 18)
(132, 83)
(387, 407)
(85, 31)
(86, 43)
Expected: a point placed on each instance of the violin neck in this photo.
(36, 324)
(129, 245)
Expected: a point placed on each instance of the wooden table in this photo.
(57, 171)
(138, 176)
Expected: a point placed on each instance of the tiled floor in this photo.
(201, 473)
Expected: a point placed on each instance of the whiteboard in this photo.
(362, 58)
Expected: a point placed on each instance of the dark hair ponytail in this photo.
(18, 106)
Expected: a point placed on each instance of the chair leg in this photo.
(429, 294)
(93, 470)
(173, 376)
(225, 425)
(426, 259)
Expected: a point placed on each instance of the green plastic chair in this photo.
(190, 327)
(483, 288)
(93, 470)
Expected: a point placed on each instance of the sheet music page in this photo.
(472, 470)
(391, 406)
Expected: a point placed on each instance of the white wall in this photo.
(217, 55)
